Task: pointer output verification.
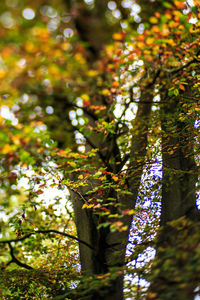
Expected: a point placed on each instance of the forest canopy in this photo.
(99, 149)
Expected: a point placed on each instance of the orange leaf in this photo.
(39, 192)
(86, 103)
(118, 36)
(157, 14)
(115, 84)
(181, 87)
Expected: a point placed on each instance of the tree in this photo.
(94, 97)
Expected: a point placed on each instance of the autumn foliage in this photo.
(99, 149)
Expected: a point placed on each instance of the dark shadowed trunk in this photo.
(179, 167)
(180, 175)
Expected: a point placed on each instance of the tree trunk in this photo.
(107, 252)
(107, 249)
(179, 167)
(173, 277)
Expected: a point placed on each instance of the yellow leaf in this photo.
(140, 45)
(65, 46)
(90, 206)
(104, 123)
(105, 92)
(72, 163)
(171, 42)
(87, 205)
(84, 206)
(30, 47)
(57, 53)
(124, 228)
(79, 57)
(6, 149)
(153, 20)
(168, 16)
(53, 70)
(149, 40)
(92, 73)
(80, 176)
(85, 97)
(16, 140)
(2, 73)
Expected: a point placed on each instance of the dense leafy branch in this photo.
(194, 60)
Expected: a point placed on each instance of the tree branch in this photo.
(15, 260)
(46, 232)
(174, 71)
